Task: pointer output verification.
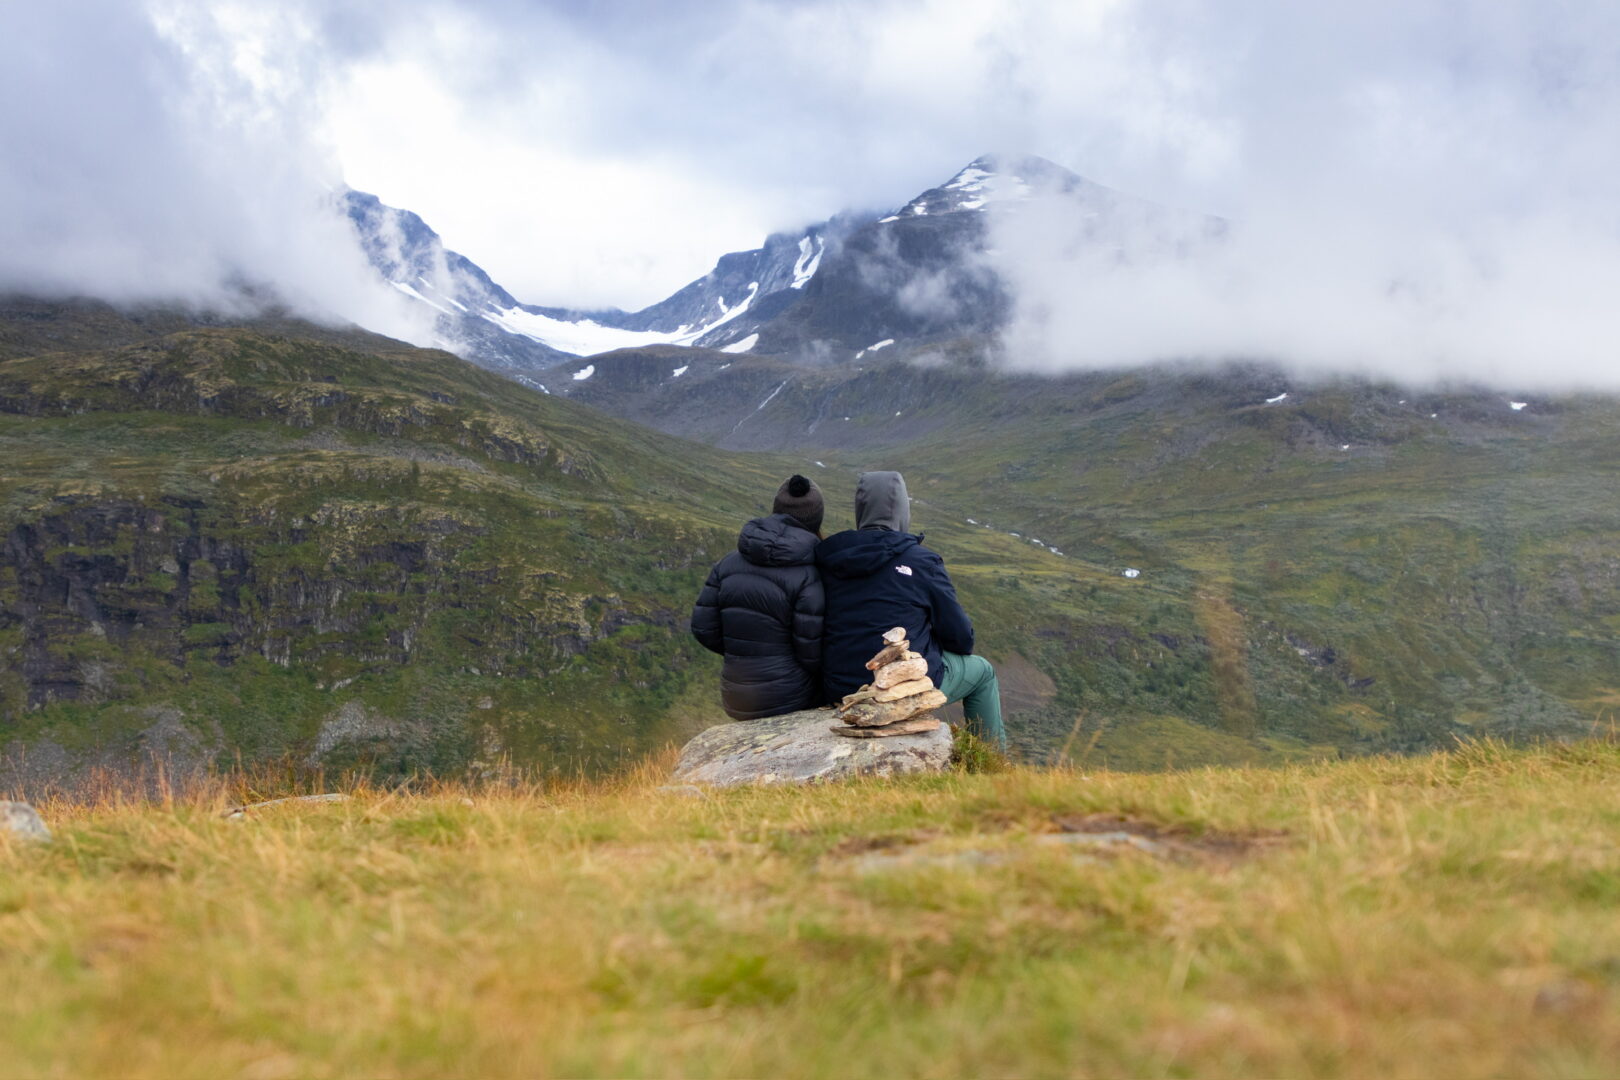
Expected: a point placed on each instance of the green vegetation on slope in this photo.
(260, 530)
(278, 539)
(1347, 566)
(1363, 573)
(1426, 916)
(222, 543)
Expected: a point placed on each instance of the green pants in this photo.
(972, 681)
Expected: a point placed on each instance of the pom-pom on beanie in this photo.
(800, 499)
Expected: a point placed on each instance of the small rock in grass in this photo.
(23, 821)
(236, 813)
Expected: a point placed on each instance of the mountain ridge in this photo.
(825, 292)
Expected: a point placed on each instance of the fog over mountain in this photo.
(1413, 191)
(139, 169)
(1416, 189)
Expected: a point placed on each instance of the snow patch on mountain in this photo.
(587, 337)
(741, 346)
(986, 181)
(804, 268)
(411, 292)
(971, 178)
(583, 338)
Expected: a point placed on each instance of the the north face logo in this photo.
(906, 570)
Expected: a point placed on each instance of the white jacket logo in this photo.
(906, 570)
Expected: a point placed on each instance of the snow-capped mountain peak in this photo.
(989, 181)
(848, 286)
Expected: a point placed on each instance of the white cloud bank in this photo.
(147, 160)
(1420, 188)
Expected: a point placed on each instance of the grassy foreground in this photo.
(1448, 915)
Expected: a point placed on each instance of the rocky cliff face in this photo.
(269, 539)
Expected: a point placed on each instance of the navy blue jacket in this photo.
(761, 610)
(875, 580)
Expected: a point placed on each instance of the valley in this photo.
(258, 537)
(275, 540)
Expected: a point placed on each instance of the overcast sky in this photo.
(593, 153)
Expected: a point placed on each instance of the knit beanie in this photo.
(801, 500)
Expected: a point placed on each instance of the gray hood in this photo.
(881, 502)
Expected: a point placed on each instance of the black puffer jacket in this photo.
(761, 609)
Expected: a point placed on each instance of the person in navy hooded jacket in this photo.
(879, 576)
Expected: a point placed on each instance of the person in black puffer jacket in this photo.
(762, 609)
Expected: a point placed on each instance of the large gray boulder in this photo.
(801, 747)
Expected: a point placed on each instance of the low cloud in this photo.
(1411, 187)
(1527, 302)
(146, 161)
(1421, 192)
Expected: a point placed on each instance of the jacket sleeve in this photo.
(809, 609)
(706, 615)
(953, 630)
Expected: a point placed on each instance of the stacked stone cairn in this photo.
(900, 698)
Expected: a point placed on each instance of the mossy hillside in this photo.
(1353, 564)
(1441, 573)
(264, 529)
(253, 545)
(261, 531)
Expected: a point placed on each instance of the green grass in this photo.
(1443, 915)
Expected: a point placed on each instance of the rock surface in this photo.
(236, 812)
(22, 821)
(800, 747)
(147, 752)
(888, 731)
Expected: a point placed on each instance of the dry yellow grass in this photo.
(1443, 916)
